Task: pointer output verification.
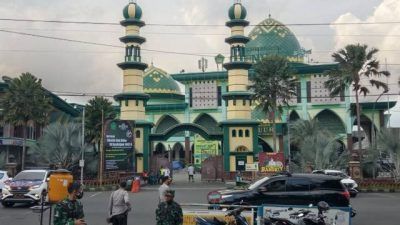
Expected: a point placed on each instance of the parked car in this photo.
(26, 187)
(350, 184)
(296, 189)
(3, 178)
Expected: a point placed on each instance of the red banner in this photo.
(271, 162)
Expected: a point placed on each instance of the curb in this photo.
(379, 191)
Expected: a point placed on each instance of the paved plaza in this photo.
(372, 207)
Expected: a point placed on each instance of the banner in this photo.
(203, 149)
(271, 162)
(119, 146)
(335, 215)
(189, 216)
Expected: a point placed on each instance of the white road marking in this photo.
(95, 194)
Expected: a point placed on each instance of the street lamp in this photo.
(373, 137)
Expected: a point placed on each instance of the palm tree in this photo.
(318, 147)
(97, 109)
(274, 85)
(354, 63)
(61, 144)
(24, 101)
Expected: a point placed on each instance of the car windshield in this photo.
(30, 176)
(255, 185)
(1, 175)
(338, 174)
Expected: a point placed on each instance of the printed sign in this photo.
(271, 162)
(252, 167)
(204, 149)
(335, 215)
(119, 146)
(189, 217)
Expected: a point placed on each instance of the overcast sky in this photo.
(74, 67)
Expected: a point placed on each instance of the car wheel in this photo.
(7, 204)
(353, 195)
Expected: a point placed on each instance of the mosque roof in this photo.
(132, 11)
(271, 37)
(157, 81)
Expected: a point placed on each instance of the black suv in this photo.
(296, 189)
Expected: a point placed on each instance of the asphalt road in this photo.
(372, 208)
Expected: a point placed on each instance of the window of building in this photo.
(244, 102)
(137, 102)
(126, 103)
(298, 92)
(240, 133)
(233, 133)
(247, 133)
(137, 134)
(234, 102)
(191, 97)
(308, 91)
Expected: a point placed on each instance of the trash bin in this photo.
(58, 185)
(135, 185)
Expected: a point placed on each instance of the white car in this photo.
(3, 178)
(26, 187)
(350, 184)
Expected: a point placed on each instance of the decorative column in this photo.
(133, 100)
(240, 143)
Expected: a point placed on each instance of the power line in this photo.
(197, 25)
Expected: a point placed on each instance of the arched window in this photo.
(247, 133)
(137, 134)
(233, 133)
(240, 133)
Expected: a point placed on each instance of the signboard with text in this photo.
(204, 149)
(119, 146)
(271, 162)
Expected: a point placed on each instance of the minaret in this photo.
(133, 100)
(240, 131)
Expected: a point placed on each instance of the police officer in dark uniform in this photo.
(169, 212)
(70, 210)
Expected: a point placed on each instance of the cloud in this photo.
(381, 36)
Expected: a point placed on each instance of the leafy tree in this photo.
(97, 109)
(355, 62)
(274, 85)
(61, 145)
(318, 147)
(25, 101)
(388, 142)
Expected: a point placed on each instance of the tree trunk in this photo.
(25, 127)
(358, 127)
(274, 130)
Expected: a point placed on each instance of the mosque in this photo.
(214, 113)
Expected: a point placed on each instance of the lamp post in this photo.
(82, 161)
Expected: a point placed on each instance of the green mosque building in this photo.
(214, 114)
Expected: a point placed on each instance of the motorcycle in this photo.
(238, 219)
(302, 217)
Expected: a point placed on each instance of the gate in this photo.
(212, 169)
(156, 162)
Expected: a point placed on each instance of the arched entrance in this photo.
(178, 151)
(264, 145)
(294, 116)
(331, 121)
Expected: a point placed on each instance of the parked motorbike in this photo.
(302, 217)
(236, 214)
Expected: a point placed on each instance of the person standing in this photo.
(70, 210)
(191, 172)
(119, 205)
(166, 181)
(169, 212)
(167, 172)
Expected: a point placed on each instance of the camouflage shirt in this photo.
(169, 214)
(67, 211)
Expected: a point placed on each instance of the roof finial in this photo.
(132, 1)
(238, 1)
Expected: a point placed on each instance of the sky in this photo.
(74, 67)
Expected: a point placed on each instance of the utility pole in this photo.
(102, 148)
(203, 64)
(82, 161)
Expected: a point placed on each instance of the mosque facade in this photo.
(215, 108)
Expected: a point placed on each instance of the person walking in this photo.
(166, 181)
(167, 172)
(190, 170)
(70, 210)
(119, 206)
(169, 212)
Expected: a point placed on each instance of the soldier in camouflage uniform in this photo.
(70, 210)
(169, 212)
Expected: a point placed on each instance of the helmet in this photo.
(323, 206)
